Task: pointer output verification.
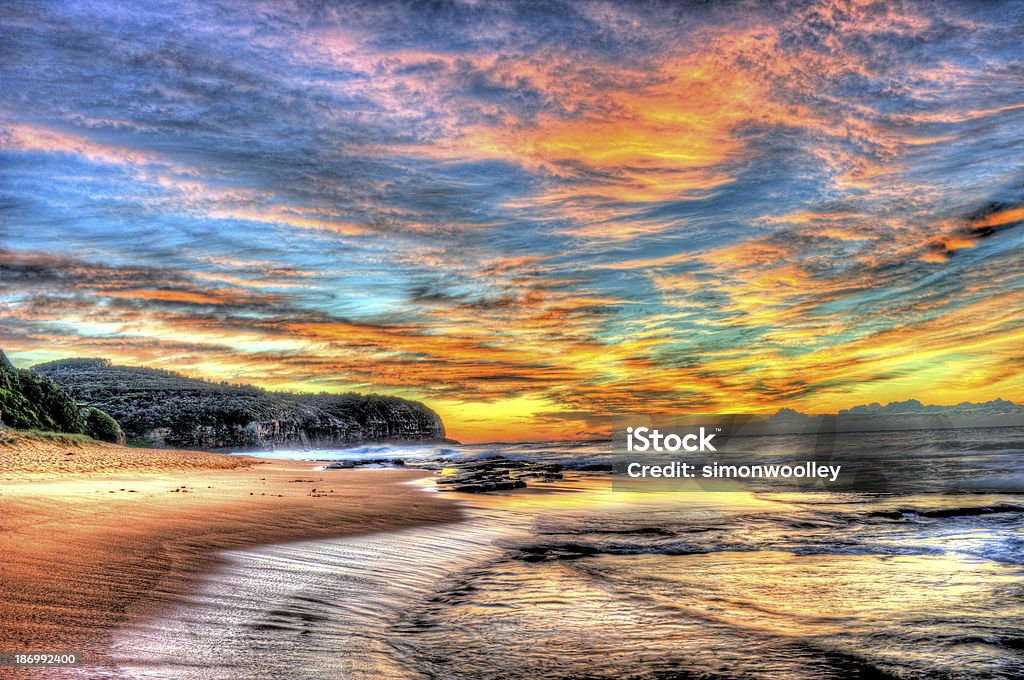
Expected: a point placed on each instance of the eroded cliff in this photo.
(164, 409)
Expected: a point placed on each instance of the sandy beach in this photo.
(93, 535)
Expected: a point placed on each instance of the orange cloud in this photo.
(999, 218)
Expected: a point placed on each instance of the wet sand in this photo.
(120, 533)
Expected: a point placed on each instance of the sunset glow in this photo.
(528, 221)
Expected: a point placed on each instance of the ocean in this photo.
(574, 578)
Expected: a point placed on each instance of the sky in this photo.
(530, 216)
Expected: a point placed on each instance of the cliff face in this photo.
(163, 409)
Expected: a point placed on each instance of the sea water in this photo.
(574, 579)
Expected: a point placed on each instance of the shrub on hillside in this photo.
(30, 401)
(34, 402)
(99, 425)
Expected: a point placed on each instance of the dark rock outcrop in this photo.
(479, 475)
(496, 474)
(163, 409)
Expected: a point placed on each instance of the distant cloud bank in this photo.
(900, 415)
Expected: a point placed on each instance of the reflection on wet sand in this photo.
(546, 581)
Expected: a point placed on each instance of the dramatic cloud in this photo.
(532, 216)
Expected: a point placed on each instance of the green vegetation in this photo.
(162, 408)
(64, 438)
(29, 401)
(32, 402)
(99, 425)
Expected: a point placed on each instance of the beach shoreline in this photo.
(95, 536)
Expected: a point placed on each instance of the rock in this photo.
(493, 473)
(484, 487)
